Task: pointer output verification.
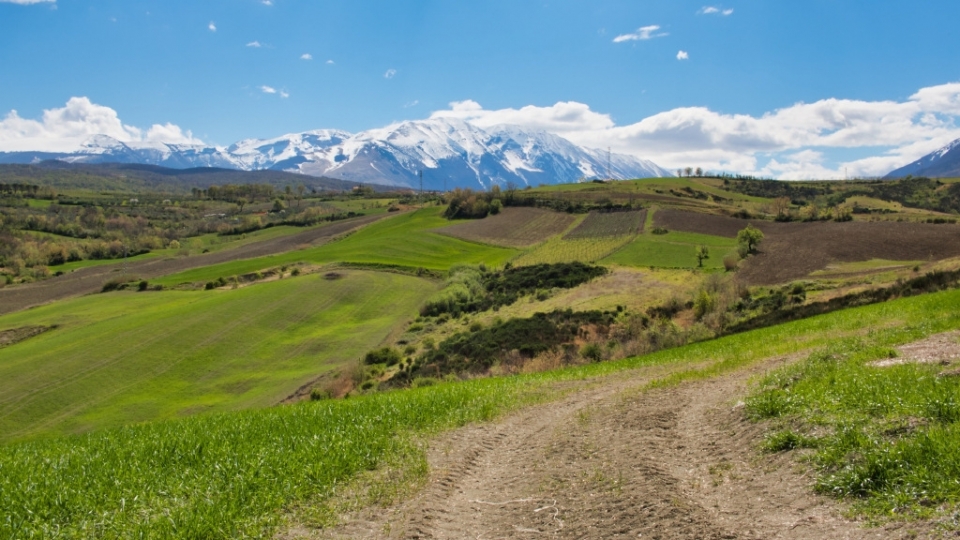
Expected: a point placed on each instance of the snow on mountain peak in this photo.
(449, 151)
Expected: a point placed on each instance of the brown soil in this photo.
(793, 250)
(610, 461)
(91, 279)
(936, 349)
(512, 227)
(16, 335)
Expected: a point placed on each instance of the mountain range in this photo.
(944, 162)
(450, 152)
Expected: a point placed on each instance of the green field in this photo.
(233, 475)
(401, 240)
(672, 250)
(128, 357)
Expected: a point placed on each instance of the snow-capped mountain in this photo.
(942, 162)
(450, 152)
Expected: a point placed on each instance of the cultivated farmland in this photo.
(795, 250)
(403, 240)
(513, 227)
(604, 224)
(128, 357)
(673, 250)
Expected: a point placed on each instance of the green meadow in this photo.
(403, 240)
(235, 474)
(126, 357)
(672, 250)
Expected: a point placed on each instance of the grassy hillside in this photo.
(231, 475)
(404, 240)
(127, 357)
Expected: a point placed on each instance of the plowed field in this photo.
(793, 250)
(600, 224)
(513, 227)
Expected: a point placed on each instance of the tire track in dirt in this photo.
(89, 280)
(614, 462)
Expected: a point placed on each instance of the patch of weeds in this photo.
(786, 440)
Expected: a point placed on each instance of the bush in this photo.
(659, 230)
(115, 284)
(318, 395)
(592, 352)
(385, 355)
(730, 262)
(143, 285)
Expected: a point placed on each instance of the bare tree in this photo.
(781, 205)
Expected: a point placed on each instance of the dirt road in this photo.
(91, 279)
(614, 462)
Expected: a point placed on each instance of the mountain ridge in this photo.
(450, 152)
(944, 161)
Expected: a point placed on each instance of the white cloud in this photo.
(643, 33)
(306, 56)
(330, 62)
(790, 142)
(563, 117)
(268, 89)
(27, 2)
(254, 44)
(712, 10)
(284, 94)
(267, 2)
(413, 103)
(212, 27)
(390, 73)
(683, 55)
(65, 129)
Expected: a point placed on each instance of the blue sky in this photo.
(709, 84)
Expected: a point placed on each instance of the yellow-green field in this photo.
(128, 357)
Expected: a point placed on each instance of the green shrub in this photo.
(592, 352)
(143, 285)
(385, 355)
(659, 230)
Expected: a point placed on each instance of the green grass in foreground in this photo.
(885, 437)
(235, 474)
(125, 357)
(402, 240)
(673, 250)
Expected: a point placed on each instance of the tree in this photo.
(703, 252)
(300, 189)
(780, 206)
(750, 238)
(278, 205)
(688, 171)
(241, 202)
(698, 172)
(679, 172)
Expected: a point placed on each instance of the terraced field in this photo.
(513, 227)
(128, 357)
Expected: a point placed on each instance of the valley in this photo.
(605, 358)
